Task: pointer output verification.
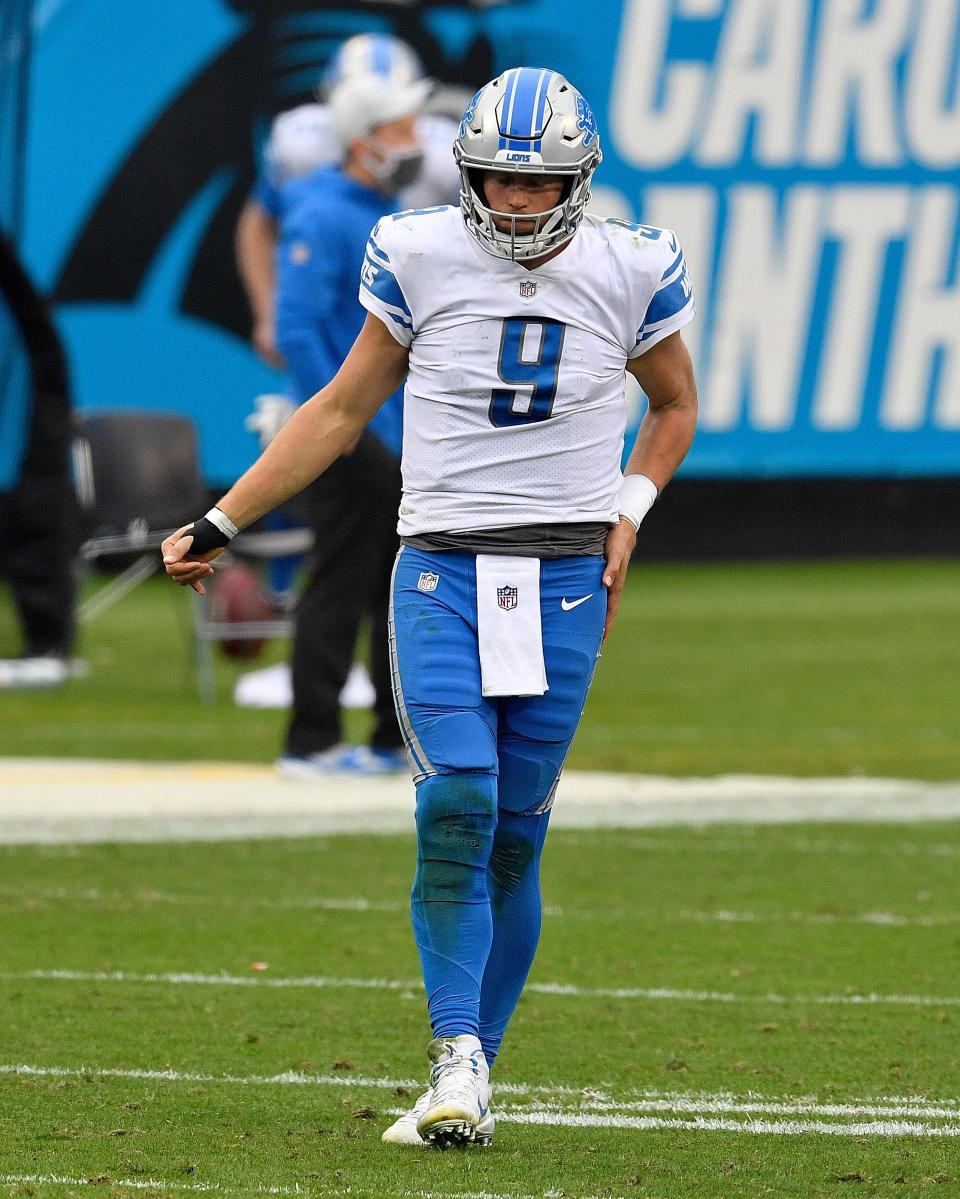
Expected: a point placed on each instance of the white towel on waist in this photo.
(508, 626)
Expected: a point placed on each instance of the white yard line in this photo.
(874, 919)
(77, 800)
(361, 904)
(706, 1105)
(320, 903)
(597, 1097)
(742, 840)
(285, 1079)
(697, 1112)
(413, 986)
(315, 1188)
(872, 1128)
(152, 1184)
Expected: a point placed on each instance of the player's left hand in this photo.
(617, 549)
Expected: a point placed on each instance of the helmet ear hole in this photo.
(476, 182)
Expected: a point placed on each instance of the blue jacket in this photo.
(325, 220)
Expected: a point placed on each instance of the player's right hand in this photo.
(618, 550)
(183, 569)
(264, 340)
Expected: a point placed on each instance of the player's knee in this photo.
(515, 852)
(528, 774)
(456, 819)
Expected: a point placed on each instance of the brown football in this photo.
(236, 597)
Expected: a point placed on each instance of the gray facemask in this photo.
(396, 168)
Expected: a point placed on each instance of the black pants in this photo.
(37, 550)
(38, 518)
(352, 509)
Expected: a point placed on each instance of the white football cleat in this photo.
(458, 1111)
(403, 1131)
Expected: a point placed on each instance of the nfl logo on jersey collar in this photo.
(527, 288)
(428, 581)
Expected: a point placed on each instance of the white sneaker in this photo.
(311, 767)
(459, 1093)
(342, 759)
(404, 1130)
(32, 673)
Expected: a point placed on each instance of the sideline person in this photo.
(302, 139)
(352, 507)
(514, 320)
(38, 508)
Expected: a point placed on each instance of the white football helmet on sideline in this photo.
(373, 54)
(528, 120)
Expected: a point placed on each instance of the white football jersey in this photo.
(514, 402)
(302, 139)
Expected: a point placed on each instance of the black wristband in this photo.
(206, 537)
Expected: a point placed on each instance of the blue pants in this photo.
(486, 770)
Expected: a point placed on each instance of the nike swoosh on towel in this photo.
(566, 606)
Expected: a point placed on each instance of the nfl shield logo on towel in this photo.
(428, 581)
(507, 597)
(528, 288)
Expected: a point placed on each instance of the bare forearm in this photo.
(664, 437)
(255, 241)
(666, 375)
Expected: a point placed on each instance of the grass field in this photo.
(737, 1011)
(730, 1011)
(800, 669)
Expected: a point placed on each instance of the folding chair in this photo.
(138, 479)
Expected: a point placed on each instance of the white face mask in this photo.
(394, 167)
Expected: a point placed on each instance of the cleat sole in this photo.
(445, 1134)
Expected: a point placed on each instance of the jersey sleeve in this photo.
(672, 305)
(266, 193)
(380, 290)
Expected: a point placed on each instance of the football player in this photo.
(513, 319)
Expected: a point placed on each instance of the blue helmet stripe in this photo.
(507, 109)
(381, 53)
(524, 108)
(520, 116)
(539, 99)
(543, 85)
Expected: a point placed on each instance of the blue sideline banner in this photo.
(807, 152)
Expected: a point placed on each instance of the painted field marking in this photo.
(73, 800)
(322, 982)
(731, 843)
(875, 1128)
(696, 1110)
(94, 895)
(587, 1099)
(159, 1184)
(872, 919)
(361, 904)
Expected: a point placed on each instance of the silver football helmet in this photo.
(530, 121)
